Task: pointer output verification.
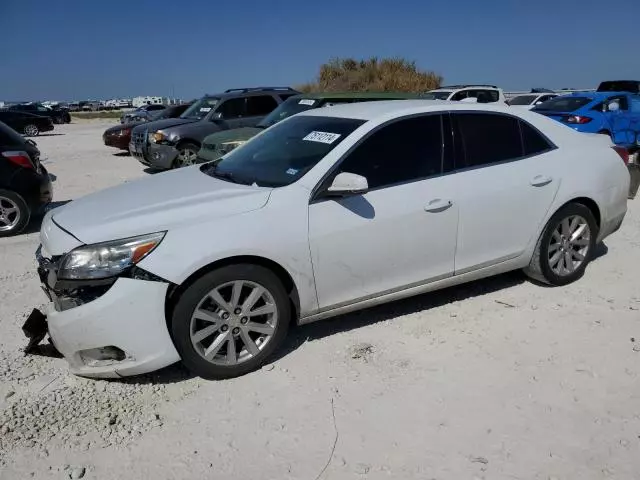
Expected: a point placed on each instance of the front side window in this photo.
(284, 153)
(404, 151)
(260, 105)
(232, 108)
(198, 110)
(487, 138)
(461, 95)
(289, 108)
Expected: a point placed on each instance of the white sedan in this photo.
(329, 211)
(530, 100)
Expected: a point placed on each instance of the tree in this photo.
(372, 75)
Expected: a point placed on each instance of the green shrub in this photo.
(372, 75)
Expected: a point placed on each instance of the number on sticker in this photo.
(322, 137)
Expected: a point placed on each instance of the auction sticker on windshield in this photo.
(305, 101)
(322, 137)
(205, 109)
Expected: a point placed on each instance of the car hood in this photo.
(169, 122)
(159, 202)
(234, 135)
(119, 127)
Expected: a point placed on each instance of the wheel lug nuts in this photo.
(236, 331)
(237, 311)
(224, 328)
(244, 320)
(225, 315)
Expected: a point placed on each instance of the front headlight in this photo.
(108, 259)
(157, 137)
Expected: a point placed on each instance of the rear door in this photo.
(505, 172)
(258, 107)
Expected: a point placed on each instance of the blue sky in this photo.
(79, 49)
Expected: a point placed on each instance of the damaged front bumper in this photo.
(108, 328)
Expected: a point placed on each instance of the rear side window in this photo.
(533, 141)
(487, 138)
(260, 105)
(403, 151)
(564, 104)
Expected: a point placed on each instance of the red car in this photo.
(120, 135)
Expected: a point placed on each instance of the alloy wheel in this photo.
(569, 245)
(31, 130)
(9, 214)
(233, 322)
(186, 157)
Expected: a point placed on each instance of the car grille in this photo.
(139, 137)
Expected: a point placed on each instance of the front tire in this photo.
(14, 213)
(187, 155)
(229, 321)
(31, 130)
(565, 247)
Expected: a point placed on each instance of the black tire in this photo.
(540, 269)
(31, 130)
(58, 120)
(24, 213)
(182, 149)
(66, 118)
(190, 299)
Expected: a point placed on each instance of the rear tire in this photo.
(31, 130)
(14, 213)
(219, 331)
(565, 247)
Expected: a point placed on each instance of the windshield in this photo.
(284, 153)
(201, 108)
(287, 109)
(522, 100)
(436, 95)
(564, 104)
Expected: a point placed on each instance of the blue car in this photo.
(616, 114)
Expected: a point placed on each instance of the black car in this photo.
(57, 115)
(141, 113)
(25, 186)
(26, 123)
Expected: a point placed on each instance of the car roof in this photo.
(453, 88)
(249, 91)
(357, 95)
(596, 95)
(372, 110)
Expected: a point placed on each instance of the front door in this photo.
(506, 184)
(402, 232)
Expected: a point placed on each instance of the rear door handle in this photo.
(437, 205)
(541, 181)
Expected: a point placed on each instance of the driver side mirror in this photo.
(346, 183)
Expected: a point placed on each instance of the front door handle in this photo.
(541, 181)
(437, 205)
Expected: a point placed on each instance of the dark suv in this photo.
(171, 143)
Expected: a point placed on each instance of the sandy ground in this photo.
(499, 379)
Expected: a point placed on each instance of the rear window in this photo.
(522, 100)
(9, 137)
(564, 104)
(620, 86)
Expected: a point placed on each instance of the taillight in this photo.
(19, 158)
(623, 152)
(578, 119)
